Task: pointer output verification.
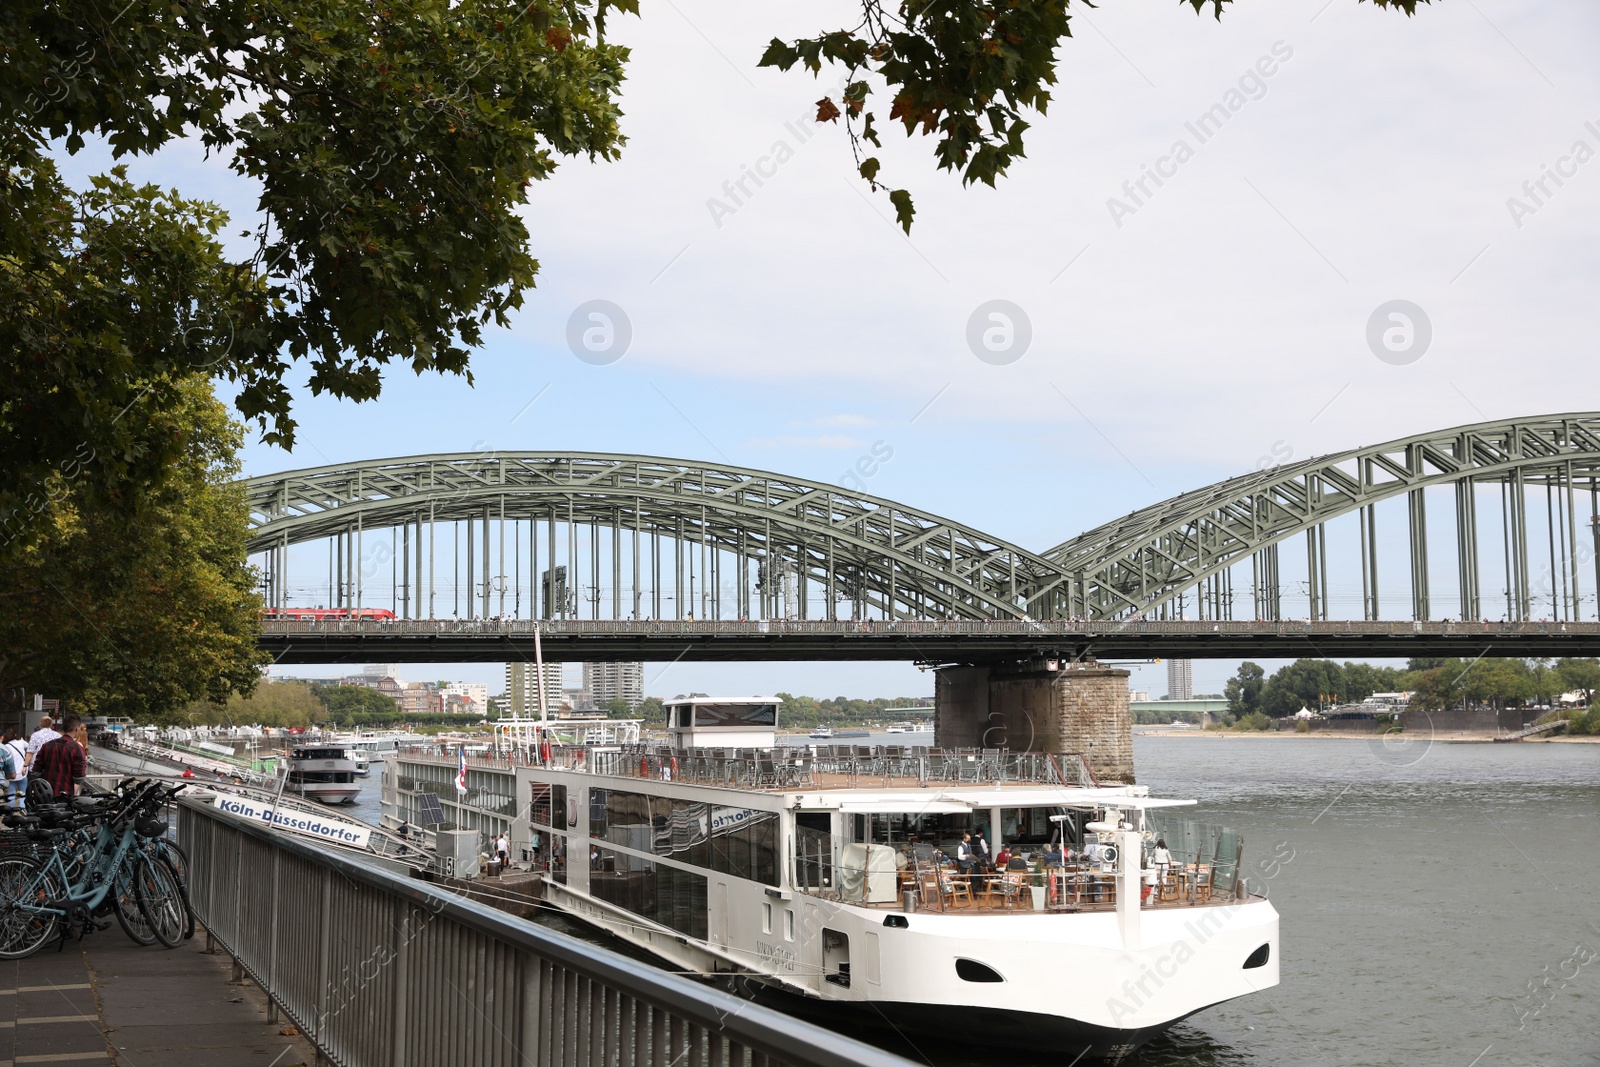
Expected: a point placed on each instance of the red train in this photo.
(318, 614)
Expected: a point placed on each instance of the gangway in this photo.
(416, 850)
(1537, 728)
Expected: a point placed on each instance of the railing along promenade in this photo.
(501, 639)
(383, 971)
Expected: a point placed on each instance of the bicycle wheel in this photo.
(24, 931)
(125, 901)
(175, 858)
(156, 889)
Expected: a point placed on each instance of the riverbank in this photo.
(1463, 737)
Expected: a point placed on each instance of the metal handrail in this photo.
(1081, 628)
(379, 969)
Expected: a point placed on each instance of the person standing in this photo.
(502, 845)
(41, 737)
(17, 785)
(62, 762)
(980, 852)
(964, 858)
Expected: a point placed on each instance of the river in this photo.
(1437, 901)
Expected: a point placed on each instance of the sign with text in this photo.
(340, 833)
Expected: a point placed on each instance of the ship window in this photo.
(741, 842)
(668, 895)
(766, 917)
(1258, 958)
(788, 924)
(973, 971)
(735, 715)
(548, 806)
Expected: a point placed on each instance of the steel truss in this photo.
(720, 542)
(759, 543)
(1141, 564)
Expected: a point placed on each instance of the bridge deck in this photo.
(105, 1000)
(511, 640)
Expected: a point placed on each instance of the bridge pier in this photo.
(1079, 708)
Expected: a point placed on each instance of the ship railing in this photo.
(1207, 859)
(852, 766)
(378, 969)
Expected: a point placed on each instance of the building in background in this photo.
(522, 690)
(375, 671)
(420, 698)
(606, 682)
(1180, 679)
(474, 696)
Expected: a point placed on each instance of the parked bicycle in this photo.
(68, 863)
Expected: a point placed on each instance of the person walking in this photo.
(18, 784)
(62, 762)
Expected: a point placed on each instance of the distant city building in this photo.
(420, 698)
(1180, 679)
(1138, 695)
(578, 698)
(381, 670)
(476, 695)
(522, 689)
(606, 682)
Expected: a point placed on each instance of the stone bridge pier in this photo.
(1077, 708)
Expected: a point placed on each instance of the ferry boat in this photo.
(325, 773)
(818, 876)
(822, 733)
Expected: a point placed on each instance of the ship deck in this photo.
(1077, 889)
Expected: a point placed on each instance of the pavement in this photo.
(106, 1000)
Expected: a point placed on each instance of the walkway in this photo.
(106, 1001)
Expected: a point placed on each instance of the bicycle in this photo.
(66, 875)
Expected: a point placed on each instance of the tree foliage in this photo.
(139, 611)
(964, 73)
(1243, 690)
(271, 704)
(1434, 683)
(392, 144)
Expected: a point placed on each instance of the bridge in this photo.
(1467, 541)
(1405, 530)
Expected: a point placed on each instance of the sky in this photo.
(1217, 319)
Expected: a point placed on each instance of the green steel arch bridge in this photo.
(1476, 540)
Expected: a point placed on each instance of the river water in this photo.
(1438, 902)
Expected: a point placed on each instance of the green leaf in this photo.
(778, 54)
(903, 211)
(869, 168)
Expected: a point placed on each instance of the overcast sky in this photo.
(1180, 333)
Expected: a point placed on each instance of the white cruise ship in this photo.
(823, 873)
(325, 773)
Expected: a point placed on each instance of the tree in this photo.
(351, 705)
(1304, 683)
(1579, 675)
(652, 711)
(393, 146)
(271, 704)
(139, 611)
(619, 709)
(1361, 680)
(1244, 689)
